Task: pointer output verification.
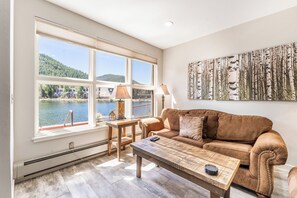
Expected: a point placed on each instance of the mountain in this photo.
(114, 78)
(111, 77)
(51, 67)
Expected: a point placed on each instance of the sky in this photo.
(77, 57)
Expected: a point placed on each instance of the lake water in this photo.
(53, 112)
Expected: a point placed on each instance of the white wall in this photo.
(6, 141)
(277, 29)
(25, 11)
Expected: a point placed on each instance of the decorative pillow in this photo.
(205, 126)
(212, 121)
(191, 127)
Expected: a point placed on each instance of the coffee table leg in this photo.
(138, 166)
(214, 195)
(227, 193)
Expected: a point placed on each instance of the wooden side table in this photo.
(122, 139)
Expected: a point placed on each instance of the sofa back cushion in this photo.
(170, 118)
(212, 121)
(241, 128)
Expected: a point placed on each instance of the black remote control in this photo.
(153, 139)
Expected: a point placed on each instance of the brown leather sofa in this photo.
(292, 181)
(247, 138)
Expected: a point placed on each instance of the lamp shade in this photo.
(121, 92)
(162, 90)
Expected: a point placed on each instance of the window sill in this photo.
(67, 132)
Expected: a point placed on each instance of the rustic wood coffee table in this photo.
(188, 162)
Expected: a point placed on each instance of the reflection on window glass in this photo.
(141, 72)
(55, 103)
(62, 59)
(142, 101)
(104, 103)
(110, 67)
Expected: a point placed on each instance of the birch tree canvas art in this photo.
(232, 77)
(201, 80)
(274, 73)
(259, 75)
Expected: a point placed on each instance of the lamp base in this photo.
(120, 110)
(121, 118)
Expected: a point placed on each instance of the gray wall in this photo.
(6, 140)
(276, 29)
(25, 11)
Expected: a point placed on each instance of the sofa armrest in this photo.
(292, 182)
(150, 124)
(270, 142)
(268, 150)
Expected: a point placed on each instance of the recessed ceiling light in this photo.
(168, 24)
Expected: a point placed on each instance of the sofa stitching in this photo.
(267, 170)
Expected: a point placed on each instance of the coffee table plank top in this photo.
(191, 160)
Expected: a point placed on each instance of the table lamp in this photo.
(121, 92)
(162, 90)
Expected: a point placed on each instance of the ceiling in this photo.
(144, 19)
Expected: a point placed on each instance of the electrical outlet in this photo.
(71, 145)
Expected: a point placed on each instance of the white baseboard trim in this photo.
(24, 170)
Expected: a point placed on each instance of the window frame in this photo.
(91, 82)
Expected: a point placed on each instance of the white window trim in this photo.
(68, 132)
(51, 29)
(92, 83)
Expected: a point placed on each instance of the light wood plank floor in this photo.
(106, 177)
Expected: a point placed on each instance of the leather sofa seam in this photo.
(267, 171)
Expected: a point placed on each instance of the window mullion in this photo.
(128, 103)
(92, 89)
(155, 85)
(36, 87)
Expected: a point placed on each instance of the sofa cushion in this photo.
(170, 118)
(242, 128)
(212, 121)
(165, 133)
(191, 141)
(191, 127)
(232, 149)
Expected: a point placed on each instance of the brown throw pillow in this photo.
(205, 126)
(191, 127)
(212, 121)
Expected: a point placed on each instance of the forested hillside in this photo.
(52, 67)
(111, 77)
(114, 78)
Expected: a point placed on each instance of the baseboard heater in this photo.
(36, 167)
